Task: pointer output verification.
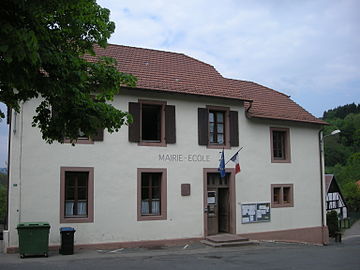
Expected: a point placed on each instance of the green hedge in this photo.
(332, 223)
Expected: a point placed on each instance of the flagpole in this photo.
(234, 155)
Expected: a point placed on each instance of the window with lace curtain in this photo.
(151, 194)
(76, 194)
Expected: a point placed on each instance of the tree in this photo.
(346, 176)
(342, 111)
(3, 196)
(352, 196)
(42, 48)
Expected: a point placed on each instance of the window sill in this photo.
(89, 141)
(148, 143)
(149, 217)
(275, 205)
(280, 160)
(218, 146)
(77, 220)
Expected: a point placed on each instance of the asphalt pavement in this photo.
(265, 255)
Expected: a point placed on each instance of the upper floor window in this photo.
(82, 138)
(153, 123)
(280, 145)
(218, 127)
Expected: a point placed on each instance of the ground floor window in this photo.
(282, 195)
(152, 194)
(76, 203)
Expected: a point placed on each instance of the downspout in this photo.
(248, 109)
(321, 148)
(20, 158)
(9, 116)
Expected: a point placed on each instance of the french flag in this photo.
(235, 159)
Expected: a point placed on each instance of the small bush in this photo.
(332, 223)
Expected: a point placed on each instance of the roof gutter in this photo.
(321, 158)
(288, 120)
(185, 94)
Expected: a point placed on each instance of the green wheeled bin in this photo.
(33, 238)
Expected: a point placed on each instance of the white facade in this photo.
(35, 176)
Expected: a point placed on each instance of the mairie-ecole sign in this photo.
(184, 157)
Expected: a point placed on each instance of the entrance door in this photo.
(223, 211)
(218, 206)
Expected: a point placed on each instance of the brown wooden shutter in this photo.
(99, 136)
(134, 128)
(203, 126)
(234, 128)
(170, 126)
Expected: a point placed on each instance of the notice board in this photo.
(255, 212)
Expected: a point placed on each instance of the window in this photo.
(152, 193)
(282, 195)
(218, 127)
(280, 145)
(153, 123)
(82, 138)
(76, 194)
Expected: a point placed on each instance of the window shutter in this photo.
(99, 136)
(203, 126)
(234, 128)
(170, 126)
(134, 128)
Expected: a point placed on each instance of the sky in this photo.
(308, 49)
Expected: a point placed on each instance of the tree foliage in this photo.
(42, 48)
(342, 111)
(342, 152)
(338, 148)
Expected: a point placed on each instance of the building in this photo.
(334, 199)
(157, 181)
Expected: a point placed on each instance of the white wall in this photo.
(258, 173)
(35, 169)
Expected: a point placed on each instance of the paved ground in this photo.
(354, 231)
(344, 256)
(266, 255)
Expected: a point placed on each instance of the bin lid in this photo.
(67, 229)
(40, 224)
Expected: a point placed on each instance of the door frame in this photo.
(232, 199)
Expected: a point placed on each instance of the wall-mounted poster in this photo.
(255, 212)
(211, 197)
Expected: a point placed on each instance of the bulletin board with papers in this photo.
(255, 212)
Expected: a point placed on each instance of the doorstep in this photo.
(226, 240)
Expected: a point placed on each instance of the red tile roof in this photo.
(179, 73)
(328, 179)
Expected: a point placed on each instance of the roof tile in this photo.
(179, 73)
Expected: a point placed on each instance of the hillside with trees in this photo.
(3, 195)
(342, 151)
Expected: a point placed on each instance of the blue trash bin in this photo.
(67, 240)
